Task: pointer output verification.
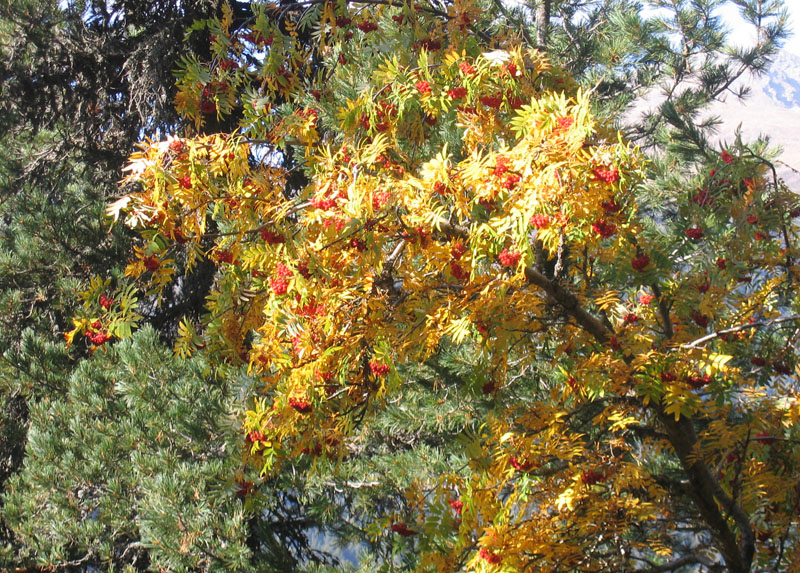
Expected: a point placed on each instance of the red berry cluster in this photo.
(645, 298)
(271, 237)
(423, 87)
(667, 377)
(99, 337)
(501, 165)
(458, 272)
(591, 477)
(698, 381)
(428, 44)
(467, 69)
(343, 21)
(520, 464)
(256, 436)
(106, 302)
(611, 206)
(457, 92)
(228, 64)
(540, 221)
(640, 263)
(302, 268)
(457, 505)
(758, 361)
(185, 182)
(509, 258)
(630, 318)
(604, 228)
(367, 26)
(694, 233)
(564, 123)
(457, 250)
(151, 262)
(492, 101)
(379, 368)
(176, 145)
(280, 282)
(403, 529)
(607, 175)
(510, 181)
(726, 157)
(700, 319)
(489, 557)
(323, 203)
(781, 368)
(300, 405)
(224, 256)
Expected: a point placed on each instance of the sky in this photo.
(731, 16)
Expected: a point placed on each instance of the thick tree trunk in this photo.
(542, 23)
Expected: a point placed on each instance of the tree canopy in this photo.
(427, 234)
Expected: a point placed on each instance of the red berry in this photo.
(700, 319)
(564, 123)
(379, 368)
(457, 92)
(510, 181)
(423, 87)
(509, 258)
(279, 285)
(694, 233)
(457, 505)
(607, 175)
(758, 361)
(781, 367)
(540, 221)
(457, 250)
(640, 263)
(466, 68)
(367, 26)
(106, 302)
(489, 557)
(604, 229)
(697, 382)
(591, 477)
(501, 165)
(667, 377)
(301, 406)
(765, 438)
(151, 263)
(271, 237)
(493, 101)
(403, 529)
(726, 157)
(520, 464)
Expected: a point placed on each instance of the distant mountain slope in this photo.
(772, 109)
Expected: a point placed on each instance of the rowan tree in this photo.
(637, 357)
